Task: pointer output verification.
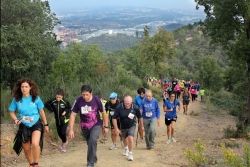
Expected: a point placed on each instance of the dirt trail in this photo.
(207, 126)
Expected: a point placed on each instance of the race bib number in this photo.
(28, 119)
(86, 109)
(112, 112)
(148, 114)
(131, 116)
(192, 89)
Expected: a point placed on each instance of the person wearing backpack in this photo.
(151, 114)
(89, 107)
(171, 107)
(110, 108)
(185, 96)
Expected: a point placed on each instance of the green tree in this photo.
(135, 63)
(210, 74)
(228, 24)
(28, 45)
(157, 48)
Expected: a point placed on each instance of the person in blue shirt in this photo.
(151, 114)
(30, 116)
(138, 99)
(171, 107)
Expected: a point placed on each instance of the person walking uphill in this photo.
(110, 108)
(61, 108)
(127, 112)
(138, 99)
(150, 114)
(89, 107)
(31, 119)
(170, 107)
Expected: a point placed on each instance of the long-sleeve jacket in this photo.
(58, 107)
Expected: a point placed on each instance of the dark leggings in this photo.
(61, 131)
(178, 95)
(193, 97)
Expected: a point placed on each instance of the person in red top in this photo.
(193, 91)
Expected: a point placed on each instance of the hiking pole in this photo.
(137, 135)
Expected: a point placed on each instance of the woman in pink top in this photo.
(178, 90)
(193, 91)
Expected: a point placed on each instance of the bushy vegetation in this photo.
(197, 157)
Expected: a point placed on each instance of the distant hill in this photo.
(171, 27)
(113, 42)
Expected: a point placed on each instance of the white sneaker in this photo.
(125, 152)
(130, 157)
(168, 141)
(113, 147)
(173, 139)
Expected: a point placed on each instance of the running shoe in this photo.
(173, 139)
(168, 141)
(63, 149)
(130, 157)
(113, 147)
(125, 152)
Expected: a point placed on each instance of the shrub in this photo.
(236, 160)
(196, 158)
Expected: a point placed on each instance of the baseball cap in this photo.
(113, 95)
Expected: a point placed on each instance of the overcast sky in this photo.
(60, 5)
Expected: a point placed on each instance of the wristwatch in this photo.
(46, 124)
(105, 126)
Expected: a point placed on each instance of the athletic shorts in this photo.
(128, 132)
(118, 124)
(169, 120)
(185, 102)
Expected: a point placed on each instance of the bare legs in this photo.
(32, 154)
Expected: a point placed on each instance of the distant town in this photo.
(79, 26)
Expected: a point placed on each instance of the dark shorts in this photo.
(185, 102)
(27, 131)
(128, 132)
(118, 124)
(169, 120)
(37, 126)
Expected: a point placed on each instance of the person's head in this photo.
(127, 101)
(24, 88)
(149, 95)
(172, 96)
(86, 91)
(141, 92)
(113, 97)
(59, 94)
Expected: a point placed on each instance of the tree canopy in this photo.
(228, 24)
(28, 44)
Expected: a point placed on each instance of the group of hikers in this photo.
(97, 116)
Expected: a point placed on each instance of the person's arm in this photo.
(158, 112)
(47, 105)
(167, 110)
(71, 124)
(14, 117)
(43, 117)
(114, 121)
(68, 108)
(105, 121)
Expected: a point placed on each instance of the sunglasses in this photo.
(112, 98)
